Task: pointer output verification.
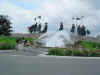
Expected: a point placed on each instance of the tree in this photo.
(88, 32)
(61, 26)
(5, 25)
(39, 28)
(31, 29)
(83, 31)
(45, 28)
(36, 27)
(73, 28)
(79, 30)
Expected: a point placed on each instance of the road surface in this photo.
(36, 65)
(27, 51)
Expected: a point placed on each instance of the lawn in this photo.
(7, 42)
(90, 45)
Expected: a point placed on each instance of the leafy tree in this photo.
(61, 26)
(88, 32)
(36, 27)
(79, 30)
(45, 28)
(5, 25)
(83, 31)
(73, 28)
(31, 28)
(39, 28)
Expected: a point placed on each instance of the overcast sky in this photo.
(22, 13)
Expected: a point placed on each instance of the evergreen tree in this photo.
(5, 25)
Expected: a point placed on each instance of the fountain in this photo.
(59, 39)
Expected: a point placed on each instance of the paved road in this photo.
(35, 65)
(28, 51)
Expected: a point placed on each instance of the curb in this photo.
(69, 57)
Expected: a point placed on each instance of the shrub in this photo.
(68, 52)
(85, 52)
(97, 54)
(6, 45)
(56, 51)
(77, 53)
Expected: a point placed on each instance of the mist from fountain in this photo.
(55, 39)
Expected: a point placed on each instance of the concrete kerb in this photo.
(68, 57)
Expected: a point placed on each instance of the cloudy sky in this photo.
(22, 13)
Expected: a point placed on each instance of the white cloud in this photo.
(53, 11)
(64, 10)
(20, 17)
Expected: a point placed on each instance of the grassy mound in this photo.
(7, 42)
(90, 45)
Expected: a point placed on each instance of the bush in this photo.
(56, 51)
(86, 53)
(93, 53)
(97, 54)
(6, 46)
(68, 52)
(77, 53)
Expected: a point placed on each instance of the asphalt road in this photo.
(35, 65)
(27, 51)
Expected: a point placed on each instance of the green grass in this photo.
(30, 39)
(90, 45)
(7, 42)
